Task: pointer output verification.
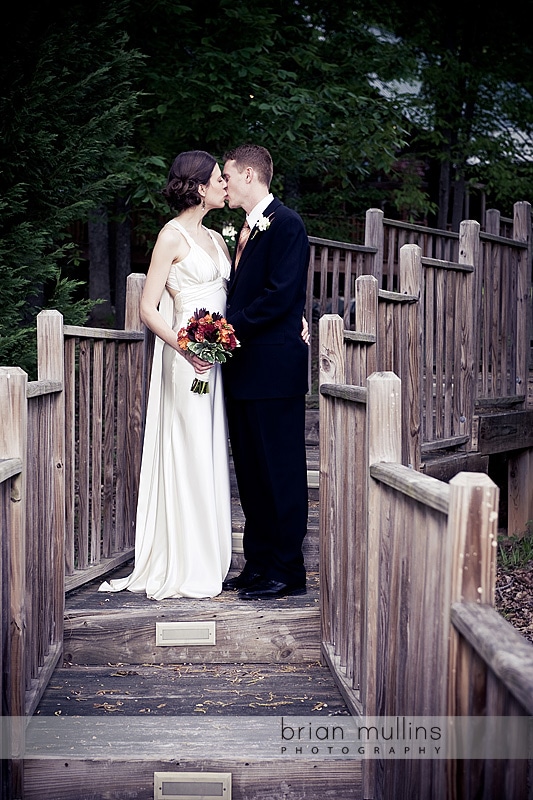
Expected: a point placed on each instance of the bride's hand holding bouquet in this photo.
(210, 338)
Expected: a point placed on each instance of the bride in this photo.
(183, 523)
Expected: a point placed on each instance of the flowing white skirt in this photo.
(183, 523)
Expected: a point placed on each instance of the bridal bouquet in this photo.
(211, 338)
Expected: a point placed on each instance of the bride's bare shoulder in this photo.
(170, 237)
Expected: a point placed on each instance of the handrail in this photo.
(102, 333)
(424, 488)
(501, 647)
(9, 467)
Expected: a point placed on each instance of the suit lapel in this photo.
(251, 244)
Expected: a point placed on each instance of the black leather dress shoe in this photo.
(242, 581)
(270, 590)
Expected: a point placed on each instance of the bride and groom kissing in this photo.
(183, 523)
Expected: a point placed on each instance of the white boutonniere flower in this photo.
(262, 224)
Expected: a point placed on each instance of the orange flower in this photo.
(211, 338)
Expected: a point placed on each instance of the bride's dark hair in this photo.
(188, 171)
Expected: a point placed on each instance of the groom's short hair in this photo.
(255, 156)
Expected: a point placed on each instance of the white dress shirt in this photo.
(257, 211)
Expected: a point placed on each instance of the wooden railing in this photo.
(70, 442)
(70, 447)
(104, 389)
(32, 532)
(504, 291)
(105, 397)
(475, 308)
(407, 562)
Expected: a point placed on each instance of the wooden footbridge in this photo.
(420, 357)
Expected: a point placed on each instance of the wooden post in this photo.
(524, 327)
(492, 221)
(468, 345)
(331, 355)
(383, 443)
(50, 367)
(520, 465)
(331, 370)
(374, 238)
(366, 316)
(473, 539)
(13, 444)
(134, 289)
(411, 284)
(520, 493)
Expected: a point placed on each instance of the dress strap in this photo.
(223, 263)
(174, 224)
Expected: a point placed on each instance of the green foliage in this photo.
(285, 76)
(67, 110)
(473, 108)
(410, 200)
(98, 98)
(514, 551)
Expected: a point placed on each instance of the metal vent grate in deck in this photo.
(173, 634)
(192, 785)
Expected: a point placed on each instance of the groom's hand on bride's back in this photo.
(305, 330)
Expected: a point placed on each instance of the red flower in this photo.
(211, 338)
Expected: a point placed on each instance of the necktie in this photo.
(243, 238)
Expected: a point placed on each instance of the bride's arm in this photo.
(169, 247)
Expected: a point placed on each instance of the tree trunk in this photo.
(101, 315)
(444, 194)
(122, 259)
(458, 202)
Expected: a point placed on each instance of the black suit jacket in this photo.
(266, 299)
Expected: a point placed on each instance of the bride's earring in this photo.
(203, 203)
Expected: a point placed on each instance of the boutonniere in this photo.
(262, 224)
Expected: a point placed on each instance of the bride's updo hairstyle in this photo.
(188, 171)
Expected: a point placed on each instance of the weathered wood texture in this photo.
(475, 296)
(501, 433)
(434, 243)
(495, 673)
(506, 309)
(405, 295)
(32, 534)
(13, 444)
(103, 628)
(342, 442)
(504, 651)
(230, 690)
(299, 779)
(13, 384)
(421, 546)
(104, 381)
(512, 433)
(453, 325)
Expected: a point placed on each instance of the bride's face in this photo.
(215, 190)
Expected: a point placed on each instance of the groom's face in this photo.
(238, 185)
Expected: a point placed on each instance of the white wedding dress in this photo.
(183, 524)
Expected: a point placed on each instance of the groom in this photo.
(266, 379)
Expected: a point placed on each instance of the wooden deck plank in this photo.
(301, 779)
(106, 627)
(188, 689)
